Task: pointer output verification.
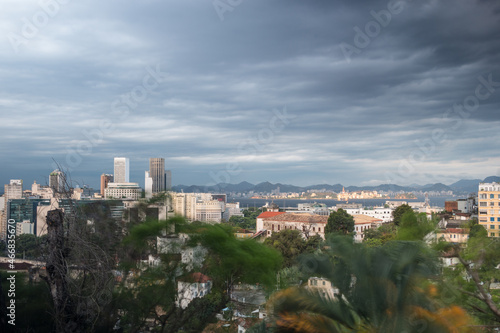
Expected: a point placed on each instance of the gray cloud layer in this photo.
(386, 114)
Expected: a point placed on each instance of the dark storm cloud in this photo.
(351, 120)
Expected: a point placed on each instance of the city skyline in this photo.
(361, 93)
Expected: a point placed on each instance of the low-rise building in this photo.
(362, 223)
(323, 286)
(192, 286)
(123, 191)
(308, 224)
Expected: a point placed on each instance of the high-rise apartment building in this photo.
(105, 180)
(489, 208)
(57, 181)
(157, 173)
(13, 190)
(122, 170)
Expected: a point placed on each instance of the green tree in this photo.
(398, 213)
(340, 223)
(383, 234)
(470, 282)
(381, 289)
(414, 227)
(291, 244)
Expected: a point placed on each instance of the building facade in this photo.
(121, 170)
(489, 208)
(57, 181)
(105, 180)
(157, 174)
(123, 191)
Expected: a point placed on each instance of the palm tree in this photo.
(381, 289)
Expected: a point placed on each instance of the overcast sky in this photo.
(297, 92)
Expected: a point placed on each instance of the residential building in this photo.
(453, 235)
(323, 287)
(121, 170)
(308, 224)
(123, 191)
(105, 180)
(489, 208)
(192, 286)
(362, 223)
(41, 192)
(13, 190)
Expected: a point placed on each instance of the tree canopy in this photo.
(291, 244)
(398, 213)
(340, 222)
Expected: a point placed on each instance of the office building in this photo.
(157, 174)
(123, 191)
(148, 185)
(489, 208)
(105, 180)
(57, 181)
(168, 180)
(122, 170)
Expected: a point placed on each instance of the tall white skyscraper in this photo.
(122, 170)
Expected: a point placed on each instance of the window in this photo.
(498, 219)
(492, 219)
(482, 204)
(483, 196)
(492, 196)
(492, 226)
(492, 203)
(492, 234)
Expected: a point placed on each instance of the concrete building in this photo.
(13, 190)
(232, 209)
(362, 223)
(168, 180)
(157, 174)
(121, 170)
(308, 224)
(57, 181)
(489, 208)
(148, 185)
(198, 206)
(105, 180)
(192, 286)
(123, 191)
(382, 213)
(323, 287)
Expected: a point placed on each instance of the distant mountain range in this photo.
(463, 186)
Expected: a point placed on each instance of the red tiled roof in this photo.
(196, 277)
(265, 215)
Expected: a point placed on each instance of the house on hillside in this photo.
(192, 286)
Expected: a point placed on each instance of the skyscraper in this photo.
(57, 181)
(157, 173)
(122, 170)
(168, 180)
(105, 180)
